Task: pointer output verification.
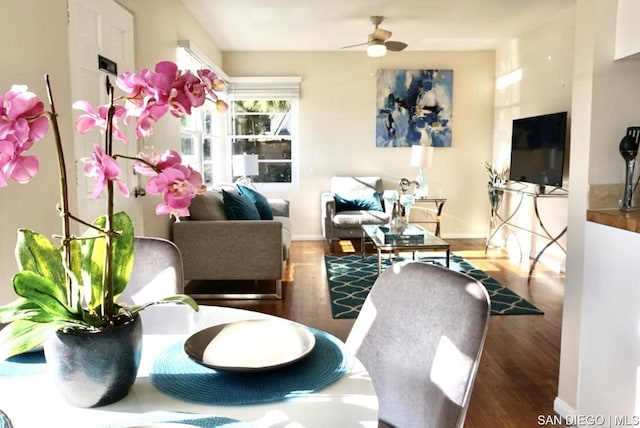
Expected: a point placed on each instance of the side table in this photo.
(422, 212)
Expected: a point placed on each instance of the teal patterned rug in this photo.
(351, 277)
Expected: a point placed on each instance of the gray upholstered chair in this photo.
(347, 223)
(420, 335)
(157, 271)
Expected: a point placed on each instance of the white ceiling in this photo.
(325, 25)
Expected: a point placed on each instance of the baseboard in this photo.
(564, 410)
(448, 236)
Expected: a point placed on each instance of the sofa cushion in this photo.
(259, 200)
(358, 200)
(239, 207)
(207, 206)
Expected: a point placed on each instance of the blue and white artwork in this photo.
(414, 107)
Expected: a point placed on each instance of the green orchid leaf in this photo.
(21, 336)
(178, 298)
(49, 296)
(34, 252)
(22, 308)
(94, 256)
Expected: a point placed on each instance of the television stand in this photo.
(498, 222)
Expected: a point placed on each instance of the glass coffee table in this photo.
(416, 238)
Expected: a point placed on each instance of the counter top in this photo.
(615, 218)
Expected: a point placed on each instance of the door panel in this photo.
(100, 27)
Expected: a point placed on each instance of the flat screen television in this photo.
(538, 146)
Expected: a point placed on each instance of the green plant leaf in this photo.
(178, 298)
(22, 308)
(34, 252)
(94, 253)
(22, 336)
(49, 296)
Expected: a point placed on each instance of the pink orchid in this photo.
(178, 185)
(93, 119)
(160, 162)
(148, 117)
(22, 123)
(104, 168)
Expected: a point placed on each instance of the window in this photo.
(263, 115)
(203, 131)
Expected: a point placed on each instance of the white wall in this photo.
(599, 354)
(545, 58)
(34, 43)
(337, 133)
(610, 345)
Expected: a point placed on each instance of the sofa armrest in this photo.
(219, 249)
(327, 204)
(280, 207)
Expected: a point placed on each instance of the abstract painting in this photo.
(414, 107)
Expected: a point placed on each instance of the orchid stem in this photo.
(64, 191)
(107, 284)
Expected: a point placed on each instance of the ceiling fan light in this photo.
(376, 49)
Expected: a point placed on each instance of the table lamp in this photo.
(245, 166)
(421, 156)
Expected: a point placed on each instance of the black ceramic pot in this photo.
(95, 369)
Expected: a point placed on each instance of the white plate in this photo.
(250, 345)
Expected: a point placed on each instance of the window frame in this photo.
(266, 88)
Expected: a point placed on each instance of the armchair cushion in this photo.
(259, 200)
(359, 200)
(239, 207)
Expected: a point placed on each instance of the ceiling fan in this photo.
(378, 43)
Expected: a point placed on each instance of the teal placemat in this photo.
(202, 421)
(28, 364)
(175, 374)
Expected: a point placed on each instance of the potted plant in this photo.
(68, 292)
(497, 181)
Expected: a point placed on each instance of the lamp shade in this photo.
(421, 156)
(244, 165)
(376, 48)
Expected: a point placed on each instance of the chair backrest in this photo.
(420, 335)
(157, 271)
(353, 184)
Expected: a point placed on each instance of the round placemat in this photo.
(182, 418)
(175, 374)
(27, 364)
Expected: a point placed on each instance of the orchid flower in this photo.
(104, 168)
(98, 119)
(177, 184)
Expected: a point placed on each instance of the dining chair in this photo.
(420, 335)
(157, 271)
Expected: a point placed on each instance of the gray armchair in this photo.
(349, 204)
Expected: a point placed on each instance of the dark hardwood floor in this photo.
(518, 375)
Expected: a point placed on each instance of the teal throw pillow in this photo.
(260, 201)
(355, 201)
(239, 207)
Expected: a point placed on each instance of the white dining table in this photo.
(32, 400)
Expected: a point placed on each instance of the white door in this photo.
(101, 38)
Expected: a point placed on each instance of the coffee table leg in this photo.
(379, 261)
(448, 254)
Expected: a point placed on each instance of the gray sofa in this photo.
(214, 247)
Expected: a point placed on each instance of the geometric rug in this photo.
(350, 279)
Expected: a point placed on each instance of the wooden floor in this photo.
(518, 375)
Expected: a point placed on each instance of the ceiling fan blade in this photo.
(380, 34)
(353, 46)
(394, 46)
